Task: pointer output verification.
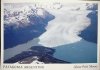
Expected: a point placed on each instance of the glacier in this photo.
(66, 26)
(60, 28)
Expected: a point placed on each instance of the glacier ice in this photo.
(66, 26)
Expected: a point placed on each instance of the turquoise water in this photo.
(79, 52)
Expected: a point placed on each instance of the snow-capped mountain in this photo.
(32, 60)
(20, 16)
(24, 23)
(35, 34)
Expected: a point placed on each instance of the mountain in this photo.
(51, 33)
(35, 53)
(24, 24)
(90, 33)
